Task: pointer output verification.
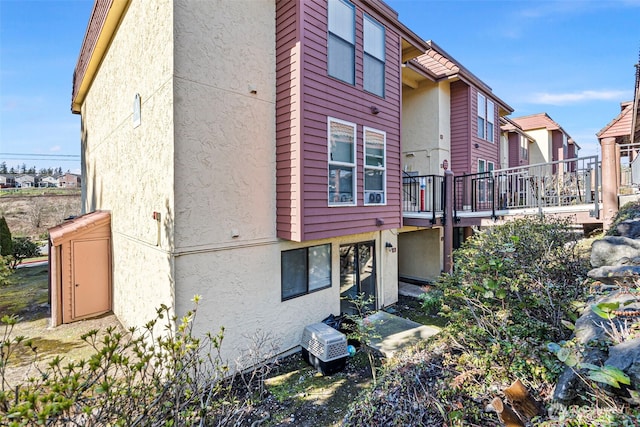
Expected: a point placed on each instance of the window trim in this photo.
(490, 120)
(382, 61)
(481, 116)
(307, 290)
(354, 165)
(352, 44)
(382, 168)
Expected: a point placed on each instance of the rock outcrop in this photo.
(617, 267)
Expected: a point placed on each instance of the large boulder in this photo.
(626, 357)
(629, 228)
(611, 249)
(616, 274)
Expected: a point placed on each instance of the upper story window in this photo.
(524, 148)
(341, 56)
(491, 107)
(374, 56)
(342, 162)
(375, 182)
(486, 118)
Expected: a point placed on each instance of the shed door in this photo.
(91, 293)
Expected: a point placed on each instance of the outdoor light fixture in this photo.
(374, 109)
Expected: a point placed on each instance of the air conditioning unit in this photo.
(373, 197)
(324, 348)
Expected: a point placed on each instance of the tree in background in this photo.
(6, 243)
(3, 167)
(23, 248)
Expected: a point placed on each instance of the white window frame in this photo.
(491, 128)
(482, 115)
(317, 270)
(374, 36)
(338, 35)
(342, 199)
(381, 167)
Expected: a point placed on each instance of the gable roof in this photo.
(436, 62)
(621, 124)
(542, 121)
(508, 125)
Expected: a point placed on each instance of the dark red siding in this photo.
(460, 128)
(306, 103)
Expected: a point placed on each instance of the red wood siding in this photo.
(486, 150)
(303, 209)
(514, 150)
(288, 117)
(460, 128)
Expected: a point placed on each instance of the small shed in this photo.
(80, 268)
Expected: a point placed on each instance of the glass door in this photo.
(357, 273)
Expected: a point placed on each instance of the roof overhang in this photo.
(105, 19)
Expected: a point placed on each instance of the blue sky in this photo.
(39, 46)
(572, 59)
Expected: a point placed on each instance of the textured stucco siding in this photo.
(128, 170)
(426, 116)
(225, 135)
(540, 152)
(241, 290)
(420, 253)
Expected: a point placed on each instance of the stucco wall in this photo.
(540, 152)
(225, 135)
(426, 116)
(421, 253)
(128, 170)
(241, 290)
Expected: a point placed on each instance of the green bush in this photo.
(6, 243)
(131, 379)
(23, 248)
(513, 290)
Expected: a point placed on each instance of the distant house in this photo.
(7, 181)
(69, 180)
(516, 144)
(25, 181)
(49, 181)
(553, 143)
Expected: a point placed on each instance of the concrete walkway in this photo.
(396, 332)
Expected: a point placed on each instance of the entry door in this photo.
(357, 273)
(91, 293)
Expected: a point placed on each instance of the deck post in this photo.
(610, 164)
(447, 246)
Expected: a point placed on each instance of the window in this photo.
(490, 121)
(485, 181)
(374, 167)
(486, 118)
(341, 56)
(305, 270)
(524, 152)
(374, 57)
(342, 162)
(482, 114)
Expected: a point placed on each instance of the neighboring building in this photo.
(516, 144)
(256, 151)
(69, 180)
(553, 143)
(450, 120)
(49, 181)
(25, 181)
(7, 181)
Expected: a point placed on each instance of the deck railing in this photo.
(545, 185)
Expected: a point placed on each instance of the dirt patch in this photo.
(32, 215)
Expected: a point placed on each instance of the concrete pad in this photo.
(409, 290)
(396, 333)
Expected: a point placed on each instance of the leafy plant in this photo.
(362, 329)
(6, 243)
(23, 248)
(159, 375)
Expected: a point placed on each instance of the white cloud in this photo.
(55, 149)
(578, 97)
